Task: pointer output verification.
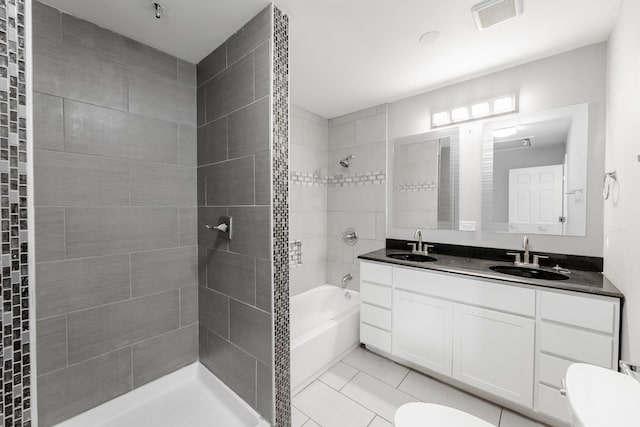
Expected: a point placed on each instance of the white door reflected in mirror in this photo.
(534, 173)
(535, 200)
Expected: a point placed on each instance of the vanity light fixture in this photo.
(441, 119)
(478, 110)
(460, 114)
(505, 104)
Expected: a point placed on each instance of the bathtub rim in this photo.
(309, 334)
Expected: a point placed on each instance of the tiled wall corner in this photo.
(15, 353)
(115, 213)
(234, 171)
(356, 196)
(309, 167)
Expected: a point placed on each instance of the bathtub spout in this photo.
(346, 279)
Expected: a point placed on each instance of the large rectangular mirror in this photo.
(535, 173)
(423, 191)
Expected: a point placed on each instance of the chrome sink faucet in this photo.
(527, 256)
(419, 248)
(525, 246)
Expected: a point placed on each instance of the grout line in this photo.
(64, 127)
(255, 282)
(129, 182)
(403, 378)
(227, 114)
(500, 419)
(66, 327)
(179, 145)
(113, 158)
(130, 277)
(228, 317)
(64, 233)
(131, 354)
(179, 308)
(256, 382)
(130, 299)
(119, 254)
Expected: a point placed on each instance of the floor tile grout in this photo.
(404, 378)
(379, 379)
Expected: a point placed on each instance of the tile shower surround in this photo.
(356, 196)
(326, 198)
(116, 226)
(15, 347)
(309, 151)
(115, 214)
(240, 158)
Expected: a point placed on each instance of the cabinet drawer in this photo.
(551, 402)
(375, 337)
(481, 293)
(552, 370)
(375, 316)
(588, 312)
(375, 294)
(576, 344)
(376, 273)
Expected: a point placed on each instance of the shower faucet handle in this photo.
(225, 226)
(222, 227)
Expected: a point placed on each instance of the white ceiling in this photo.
(351, 54)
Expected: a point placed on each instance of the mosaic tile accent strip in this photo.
(295, 254)
(280, 206)
(308, 179)
(416, 186)
(15, 351)
(317, 180)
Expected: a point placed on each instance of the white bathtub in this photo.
(325, 325)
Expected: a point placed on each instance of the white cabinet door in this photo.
(494, 352)
(422, 330)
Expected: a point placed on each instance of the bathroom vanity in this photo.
(509, 339)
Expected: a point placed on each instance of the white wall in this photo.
(622, 214)
(574, 77)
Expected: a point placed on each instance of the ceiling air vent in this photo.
(492, 12)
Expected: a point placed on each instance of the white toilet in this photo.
(600, 397)
(420, 414)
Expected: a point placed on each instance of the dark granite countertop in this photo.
(579, 281)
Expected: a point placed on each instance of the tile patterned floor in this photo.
(364, 390)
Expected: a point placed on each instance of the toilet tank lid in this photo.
(600, 397)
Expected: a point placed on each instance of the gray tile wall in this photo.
(115, 213)
(235, 292)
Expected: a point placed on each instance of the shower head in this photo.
(345, 162)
